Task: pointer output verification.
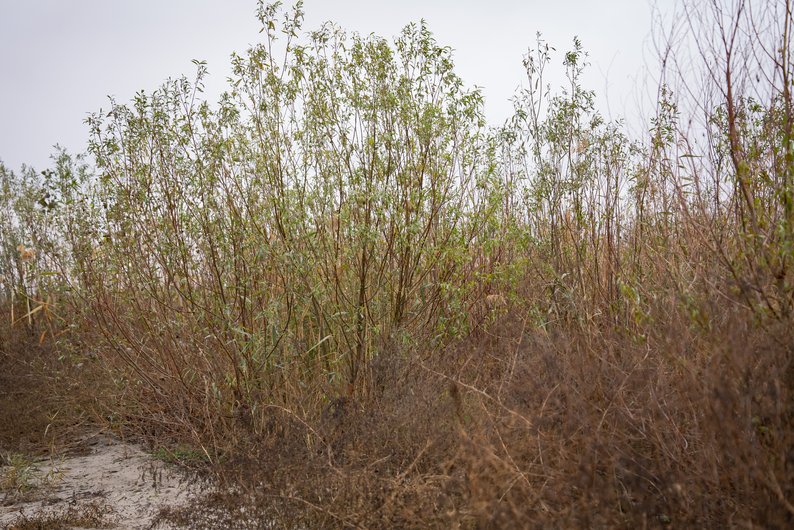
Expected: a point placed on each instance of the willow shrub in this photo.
(326, 208)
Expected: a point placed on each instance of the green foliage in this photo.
(19, 474)
(326, 204)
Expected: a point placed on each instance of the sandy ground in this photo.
(128, 483)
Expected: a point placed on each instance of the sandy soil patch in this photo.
(117, 479)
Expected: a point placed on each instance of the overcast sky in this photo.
(60, 59)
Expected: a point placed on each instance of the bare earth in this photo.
(130, 486)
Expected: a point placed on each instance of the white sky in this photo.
(60, 59)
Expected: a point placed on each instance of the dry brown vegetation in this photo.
(359, 307)
(89, 516)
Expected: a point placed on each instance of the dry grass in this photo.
(533, 429)
(524, 427)
(92, 515)
(49, 393)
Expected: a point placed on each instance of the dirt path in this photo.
(121, 485)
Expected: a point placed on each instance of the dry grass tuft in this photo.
(91, 515)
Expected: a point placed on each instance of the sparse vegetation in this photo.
(358, 305)
(183, 455)
(18, 474)
(92, 515)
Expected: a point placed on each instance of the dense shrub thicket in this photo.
(364, 307)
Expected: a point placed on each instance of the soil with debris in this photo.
(108, 484)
